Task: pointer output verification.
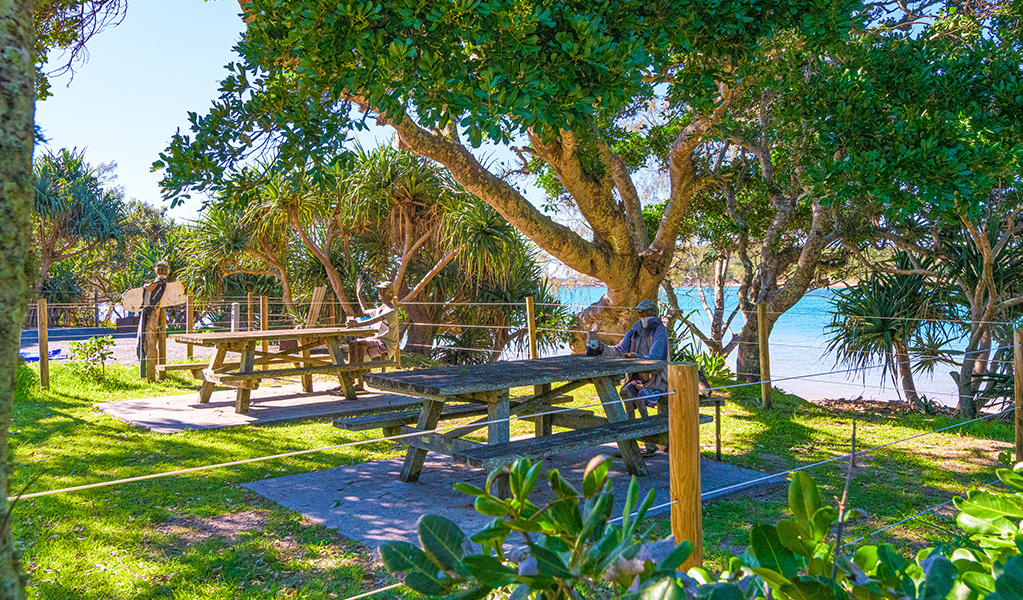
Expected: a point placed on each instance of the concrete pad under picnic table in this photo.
(366, 502)
(268, 404)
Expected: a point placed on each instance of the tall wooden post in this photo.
(1017, 369)
(151, 344)
(236, 317)
(189, 320)
(684, 458)
(161, 341)
(397, 349)
(264, 323)
(332, 312)
(249, 312)
(42, 324)
(543, 425)
(531, 319)
(765, 356)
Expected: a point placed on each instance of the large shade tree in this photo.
(926, 132)
(556, 80)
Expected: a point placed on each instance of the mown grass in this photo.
(166, 538)
(115, 542)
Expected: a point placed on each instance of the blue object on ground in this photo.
(34, 356)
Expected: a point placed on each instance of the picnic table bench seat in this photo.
(235, 378)
(491, 456)
(391, 422)
(195, 368)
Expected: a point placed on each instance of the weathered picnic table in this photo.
(489, 384)
(244, 375)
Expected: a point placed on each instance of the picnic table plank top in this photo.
(490, 377)
(228, 337)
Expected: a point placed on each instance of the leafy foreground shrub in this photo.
(571, 550)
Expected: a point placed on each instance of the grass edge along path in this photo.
(202, 536)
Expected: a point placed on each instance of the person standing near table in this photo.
(384, 343)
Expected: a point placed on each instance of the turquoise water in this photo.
(798, 349)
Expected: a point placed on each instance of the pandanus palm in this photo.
(412, 225)
(883, 319)
(72, 212)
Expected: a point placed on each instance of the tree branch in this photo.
(558, 240)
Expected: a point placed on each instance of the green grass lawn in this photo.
(202, 536)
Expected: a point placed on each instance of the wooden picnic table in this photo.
(244, 375)
(489, 384)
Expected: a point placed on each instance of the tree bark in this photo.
(17, 265)
(747, 358)
(421, 328)
(323, 255)
(906, 377)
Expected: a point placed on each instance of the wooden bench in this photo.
(195, 368)
(245, 378)
(392, 422)
(490, 456)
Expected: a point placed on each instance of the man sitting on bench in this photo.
(385, 342)
(647, 339)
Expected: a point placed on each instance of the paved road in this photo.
(124, 348)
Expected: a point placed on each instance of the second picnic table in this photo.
(489, 385)
(244, 375)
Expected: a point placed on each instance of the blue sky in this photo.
(140, 80)
(138, 84)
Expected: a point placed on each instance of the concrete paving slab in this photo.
(268, 404)
(366, 502)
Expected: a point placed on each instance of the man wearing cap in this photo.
(385, 317)
(647, 339)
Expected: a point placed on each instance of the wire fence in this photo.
(284, 321)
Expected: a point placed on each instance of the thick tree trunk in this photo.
(17, 268)
(44, 271)
(422, 329)
(906, 378)
(967, 386)
(611, 316)
(747, 358)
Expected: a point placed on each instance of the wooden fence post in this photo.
(1017, 369)
(189, 319)
(765, 356)
(161, 340)
(249, 312)
(264, 323)
(236, 317)
(42, 324)
(95, 306)
(684, 458)
(397, 348)
(531, 319)
(543, 425)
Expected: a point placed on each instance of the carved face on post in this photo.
(162, 270)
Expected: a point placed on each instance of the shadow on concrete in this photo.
(366, 502)
(269, 404)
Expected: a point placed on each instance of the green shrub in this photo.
(91, 355)
(570, 545)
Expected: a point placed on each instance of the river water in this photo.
(798, 349)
